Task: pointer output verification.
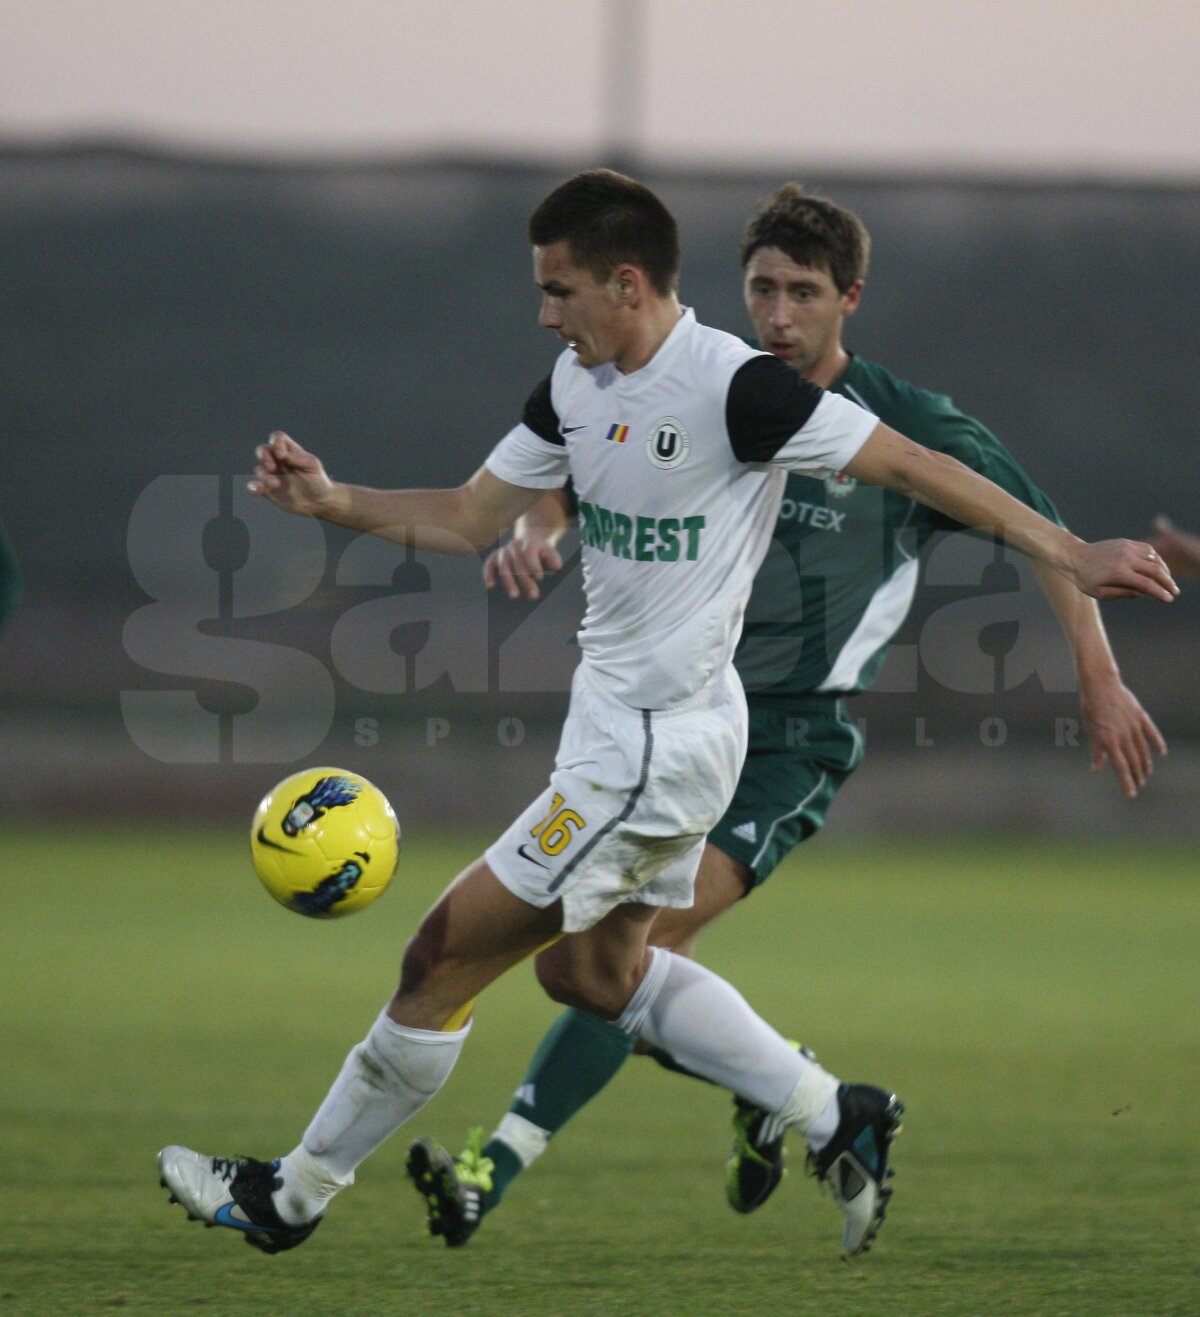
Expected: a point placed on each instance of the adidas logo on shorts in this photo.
(746, 832)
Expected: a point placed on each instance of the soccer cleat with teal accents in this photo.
(231, 1191)
(854, 1163)
(452, 1187)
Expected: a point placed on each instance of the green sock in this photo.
(506, 1166)
(575, 1060)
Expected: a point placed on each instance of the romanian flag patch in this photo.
(618, 433)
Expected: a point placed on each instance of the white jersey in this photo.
(679, 469)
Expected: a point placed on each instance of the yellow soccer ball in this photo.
(325, 842)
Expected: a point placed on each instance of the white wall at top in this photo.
(1078, 86)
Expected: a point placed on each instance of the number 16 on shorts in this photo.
(554, 833)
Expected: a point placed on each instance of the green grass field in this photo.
(1035, 1007)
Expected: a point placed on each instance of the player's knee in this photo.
(557, 981)
(571, 985)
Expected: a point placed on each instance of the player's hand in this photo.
(1119, 732)
(289, 476)
(1120, 569)
(1179, 550)
(520, 564)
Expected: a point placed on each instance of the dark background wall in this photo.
(161, 315)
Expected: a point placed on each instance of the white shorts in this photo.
(633, 795)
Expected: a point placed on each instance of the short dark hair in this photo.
(607, 219)
(812, 231)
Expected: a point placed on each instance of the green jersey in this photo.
(841, 571)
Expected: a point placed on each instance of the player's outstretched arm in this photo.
(1119, 730)
(520, 564)
(460, 521)
(1109, 569)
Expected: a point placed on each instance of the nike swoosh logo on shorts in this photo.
(531, 859)
(570, 429)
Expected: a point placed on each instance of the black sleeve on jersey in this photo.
(766, 404)
(540, 415)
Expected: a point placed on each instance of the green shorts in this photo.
(799, 754)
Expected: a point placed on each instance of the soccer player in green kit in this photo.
(834, 589)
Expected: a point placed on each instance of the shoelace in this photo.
(471, 1165)
(225, 1167)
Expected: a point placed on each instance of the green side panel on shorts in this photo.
(797, 760)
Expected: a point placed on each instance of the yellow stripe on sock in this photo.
(460, 1017)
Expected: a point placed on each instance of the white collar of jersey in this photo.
(660, 363)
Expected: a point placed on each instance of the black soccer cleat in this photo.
(454, 1205)
(854, 1163)
(231, 1191)
(756, 1160)
(755, 1166)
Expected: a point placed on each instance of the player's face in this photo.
(797, 310)
(584, 313)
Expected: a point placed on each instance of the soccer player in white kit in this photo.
(677, 438)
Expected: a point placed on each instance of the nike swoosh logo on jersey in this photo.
(531, 859)
(570, 429)
(264, 840)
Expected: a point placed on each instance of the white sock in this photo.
(824, 1127)
(525, 1138)
(633, 1017)
(386, 1079)
(707, 1026)
(307, 1186)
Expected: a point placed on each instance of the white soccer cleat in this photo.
(231, 1191)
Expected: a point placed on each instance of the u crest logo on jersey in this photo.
(668, 444)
